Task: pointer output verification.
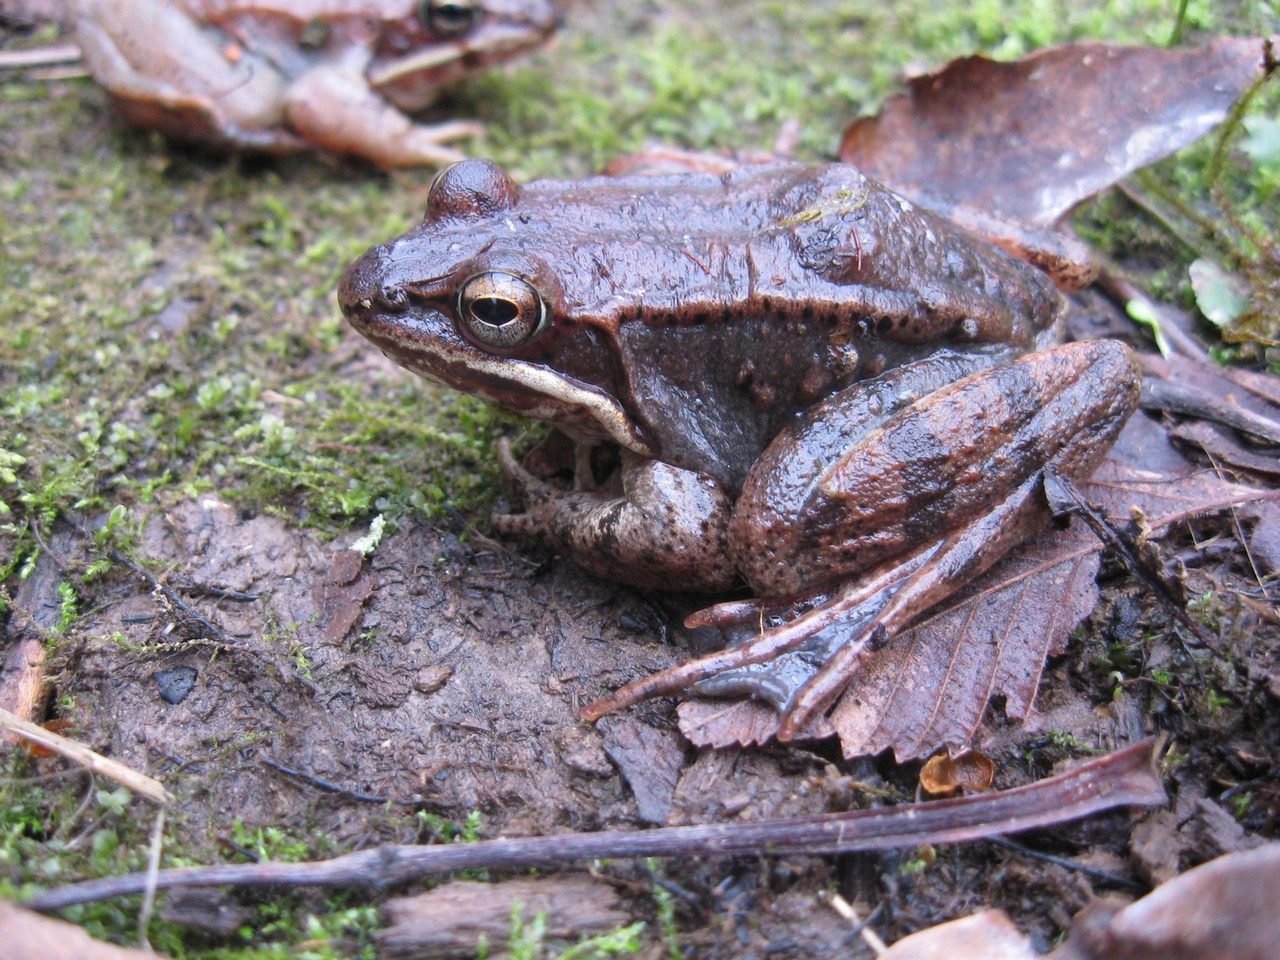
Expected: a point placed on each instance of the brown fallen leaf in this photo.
(989, 935)
(1223, 909)
(340, 597)
(1223, 448)
(29, 936)
(650, 761)
(1032, 138)
(931, 685)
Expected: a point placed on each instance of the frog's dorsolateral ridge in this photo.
(814, 388)
(279, 75)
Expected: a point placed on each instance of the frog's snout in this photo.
(365, 289)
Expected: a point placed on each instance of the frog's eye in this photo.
(500, 310)
(449, 18)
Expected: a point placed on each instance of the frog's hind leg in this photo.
(978, 485)
(957, 561)
(164, 72)
(336, 108)
(730, 672)
(801, 666)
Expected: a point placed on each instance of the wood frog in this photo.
(814, 388)
(279, 75)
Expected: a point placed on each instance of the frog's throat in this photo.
(578, 409)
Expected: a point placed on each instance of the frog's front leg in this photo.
(659, 526)
(335, 107)
(891, 523)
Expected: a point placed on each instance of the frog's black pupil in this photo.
(450, 17)
(494, 311)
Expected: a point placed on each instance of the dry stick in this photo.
(153, 871)
(140, 783)
(1161, 394)
(872, 939)
(1065, 497)
(39, 57)
(1122, 778)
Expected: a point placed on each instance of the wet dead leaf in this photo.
(650, 761)
(989, 935)
(342, 594)
(931, 685)
(1032, 138)
(29, 936)
(943, 774)
(1225, 908)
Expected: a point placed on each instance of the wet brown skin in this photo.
(838, 364)
(711, 309)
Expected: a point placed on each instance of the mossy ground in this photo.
(168, 328)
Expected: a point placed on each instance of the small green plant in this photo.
(269, 843)
(666, 907)
(1240, 803)
(68, 604)
(527, 941)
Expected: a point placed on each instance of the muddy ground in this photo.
(171, 347)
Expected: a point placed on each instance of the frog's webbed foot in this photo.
(334, 107)
(801, 666)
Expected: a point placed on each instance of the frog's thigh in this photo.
(933, 466)
(336, 108)
(667, 530)
(167, 72)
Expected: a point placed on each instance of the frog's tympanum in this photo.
(813, 389)
(280, 75)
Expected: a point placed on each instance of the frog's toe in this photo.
(517, 476)
(775, 683)
(517, 524)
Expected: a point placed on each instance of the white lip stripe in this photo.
(559, 391)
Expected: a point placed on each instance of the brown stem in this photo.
(1122, 778)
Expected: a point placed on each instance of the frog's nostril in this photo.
(393, 297)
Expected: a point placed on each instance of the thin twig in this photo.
(1126, 777)
(1159, 393)
(39, 57)
(325, 785)
(1065, 497)
(1095, 872)
(214, 631)
(860, 926)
